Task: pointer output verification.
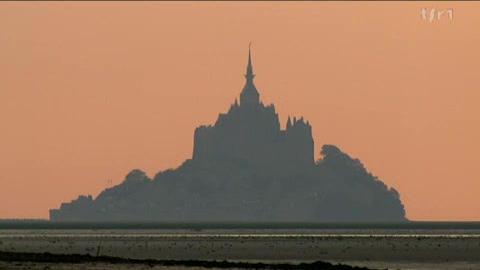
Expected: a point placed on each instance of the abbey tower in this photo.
(250, 133)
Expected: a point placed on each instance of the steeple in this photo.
(249, 76)
(249, 93)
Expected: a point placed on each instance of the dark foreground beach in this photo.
(25, 260)
(375, 249)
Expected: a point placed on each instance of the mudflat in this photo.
(412, 250)
(36, 260)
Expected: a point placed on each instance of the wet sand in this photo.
(393, 251)
(83, 266)
(36, 260)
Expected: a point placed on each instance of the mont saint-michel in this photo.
(247, 168)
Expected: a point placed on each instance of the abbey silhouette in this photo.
(250, 132)
(246, 168)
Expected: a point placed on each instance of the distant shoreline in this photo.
(408, 225)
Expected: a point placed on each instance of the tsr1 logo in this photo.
(431, 15)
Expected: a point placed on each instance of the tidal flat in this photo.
(375, 249)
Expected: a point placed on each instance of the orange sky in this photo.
(91, 90)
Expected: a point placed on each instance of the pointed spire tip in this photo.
(249, 74)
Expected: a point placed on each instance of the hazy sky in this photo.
(91, 90)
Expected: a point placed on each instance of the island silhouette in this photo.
(246, 168)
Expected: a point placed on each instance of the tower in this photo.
(249, 94)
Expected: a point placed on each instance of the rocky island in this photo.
(246, 168)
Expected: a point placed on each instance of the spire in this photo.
(249, 94)
(249, 76)
(289, 123)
